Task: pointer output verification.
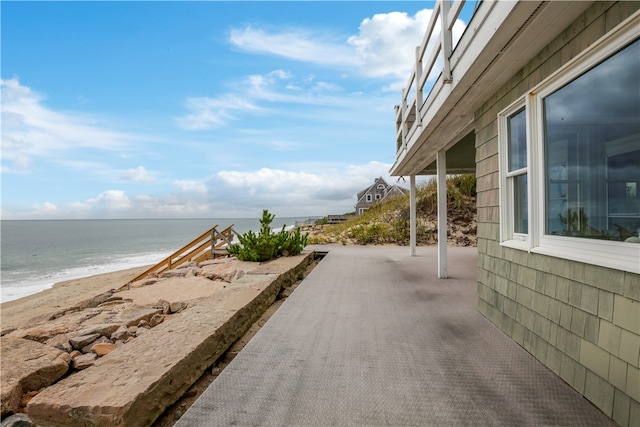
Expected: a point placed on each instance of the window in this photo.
(378, 196)
(369, 197)
(380, 187)
(592, 151)
(569, 156)
(514, 172)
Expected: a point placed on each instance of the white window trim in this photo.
(616, 255)
(369, 198)
(507, 236)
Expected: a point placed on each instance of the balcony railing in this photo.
(432, 65)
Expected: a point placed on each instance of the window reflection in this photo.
(592, 152)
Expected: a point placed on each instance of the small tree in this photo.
(267, 245)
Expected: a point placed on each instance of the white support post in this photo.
(442, 214)
(412, 215)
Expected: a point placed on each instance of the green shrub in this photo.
(267, 245)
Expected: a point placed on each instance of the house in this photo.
(376, 192)
(541, 100)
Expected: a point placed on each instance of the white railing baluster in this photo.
(445, 40)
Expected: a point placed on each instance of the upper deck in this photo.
(454, 75)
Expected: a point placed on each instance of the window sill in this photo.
(615, 255)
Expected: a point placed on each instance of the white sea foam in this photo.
(14, 290)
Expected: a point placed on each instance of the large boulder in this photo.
(27, 366)
(134, 385)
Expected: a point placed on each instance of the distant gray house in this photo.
(541, 100)
(376, 192)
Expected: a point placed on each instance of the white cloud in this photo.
(386, 43)
(326, 190)
(107, 201)
(31, 130)
(191, 186)
(295, 192)
(207, 113)
(257, 94)
(294, 43)
(139, 174)
(46, 209)
(384, 46)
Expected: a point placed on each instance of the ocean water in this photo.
(34, 255)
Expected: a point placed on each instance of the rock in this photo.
(144, 324)
(84, 361)
(177, 307)
(122, 333)
(141, 331)
(17, 420)
(131, 386)
(181, 272)
(192, 392)
(163, 305)
(109, 303)
(156, 320)
(60, 341)
(144, 282)
(27, 366)
(83, 340)
(285, 293)
(239, 275)
(27, 398)
(88, 348)
(95, 301)
(222, 271)
(102, 349)
(188, 266)
(102, 320)
(133, 330)
(75, 353)
(216, 261)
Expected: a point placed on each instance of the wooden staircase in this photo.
(209, 245)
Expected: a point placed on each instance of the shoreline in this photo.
(59, 313)
(61, 296)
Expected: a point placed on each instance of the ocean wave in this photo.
(39, 281)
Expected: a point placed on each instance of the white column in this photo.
(412, 215)
(442, 214)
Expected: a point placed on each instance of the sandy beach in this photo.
(62, 296)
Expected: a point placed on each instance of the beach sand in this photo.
(62, 296)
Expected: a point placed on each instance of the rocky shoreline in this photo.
(125, 355)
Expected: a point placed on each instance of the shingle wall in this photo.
(581, 321)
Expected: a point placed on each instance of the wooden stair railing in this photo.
(210, 244)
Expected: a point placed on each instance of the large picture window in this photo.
(592, 151)
(569, 154)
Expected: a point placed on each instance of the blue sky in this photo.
(199, 109)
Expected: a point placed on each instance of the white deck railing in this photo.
(432, 65)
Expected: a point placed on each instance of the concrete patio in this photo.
(372, 337)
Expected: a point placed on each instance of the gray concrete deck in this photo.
(372, 337)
